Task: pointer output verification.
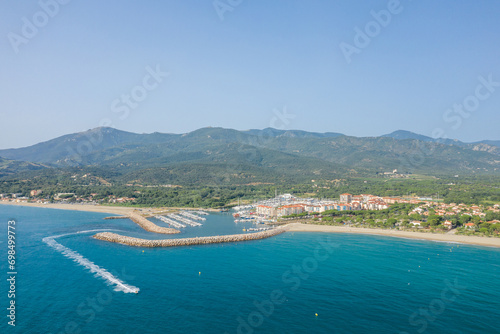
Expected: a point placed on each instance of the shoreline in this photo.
(118, 210)
(292, 227)
(463, 239)
(150, 226)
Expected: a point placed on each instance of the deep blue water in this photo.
(354, 283)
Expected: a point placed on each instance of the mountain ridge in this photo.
(272, 152)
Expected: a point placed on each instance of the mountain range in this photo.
(218, 154)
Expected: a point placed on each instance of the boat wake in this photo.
(94, 268)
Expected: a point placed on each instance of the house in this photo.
(346, 198)
(34, 193)
(327, 206)
(448, 224)
(367, 197)
(470, 225)
(312, 208)
(266, 210)
(343, 207)
(290, 209)
(357, 198)
(356, 206)
(390, 200)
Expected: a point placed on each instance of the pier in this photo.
(192, 216)
(113, 237)
(203, 213)
(171, 222)
(259, 228)
(183, 219)
(149, 226)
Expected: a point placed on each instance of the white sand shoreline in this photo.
(118, 210)
(463, 239)
(293, 227)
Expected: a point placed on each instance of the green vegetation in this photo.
(214, 167)
(212, 189)
(398, 216)
(260, 153)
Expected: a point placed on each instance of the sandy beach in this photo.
(118, 210)
(293, 227)
(474, 240)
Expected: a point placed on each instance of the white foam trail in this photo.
(94, 268)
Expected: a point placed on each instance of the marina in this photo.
(203, 213)
(171, 222)
(252, 229)
(183, 219)
(192, 216)
(149, 226)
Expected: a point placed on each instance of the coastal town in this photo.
(425, 212)
(285, 205)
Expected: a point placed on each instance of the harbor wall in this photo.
(113, 237)
(149, 226)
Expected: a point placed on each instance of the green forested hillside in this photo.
(226, 156)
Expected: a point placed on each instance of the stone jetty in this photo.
(113, 237)
(149, 226)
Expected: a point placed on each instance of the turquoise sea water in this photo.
(354, 283)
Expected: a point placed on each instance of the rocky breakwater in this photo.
(149, 226)
(113, 237)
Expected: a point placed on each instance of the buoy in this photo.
(143, 251)
(316, 314)
(419, 266)
(199, 273)
(408, 283)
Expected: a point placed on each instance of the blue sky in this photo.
(264, 64)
